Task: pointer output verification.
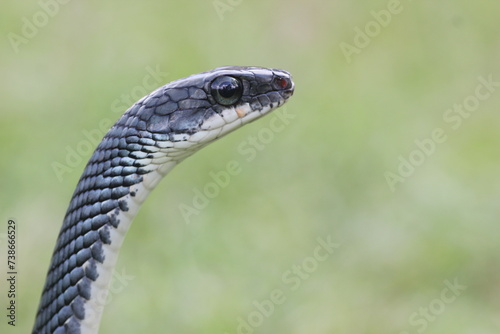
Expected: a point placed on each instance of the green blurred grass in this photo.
(323, 175)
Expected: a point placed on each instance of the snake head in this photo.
(182, 116)
(208, 105)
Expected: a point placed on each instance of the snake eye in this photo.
(226, 90)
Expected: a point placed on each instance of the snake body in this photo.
(151, 137)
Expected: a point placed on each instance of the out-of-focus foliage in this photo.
(389, 151)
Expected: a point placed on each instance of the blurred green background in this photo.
(362, 102)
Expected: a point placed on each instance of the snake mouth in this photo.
(289, 92)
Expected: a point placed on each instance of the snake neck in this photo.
(94, 306)
(115, 183)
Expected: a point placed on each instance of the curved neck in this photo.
(98, 218)
(100, 287)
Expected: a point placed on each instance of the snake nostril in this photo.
(282, 83)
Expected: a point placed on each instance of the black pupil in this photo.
(228, 88)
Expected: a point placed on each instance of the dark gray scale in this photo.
(97, 194)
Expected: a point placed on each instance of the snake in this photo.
(148, 140)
